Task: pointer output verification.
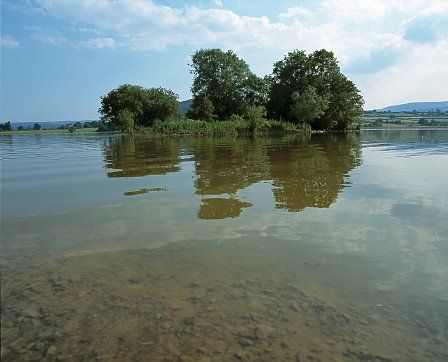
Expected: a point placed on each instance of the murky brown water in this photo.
(320, 248)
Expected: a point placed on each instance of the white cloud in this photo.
(8, 41)
(371, 38)
(50, 38)
(297, 13)
(98, 43)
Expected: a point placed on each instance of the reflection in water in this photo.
(218, 208)
(135, 157)
(311, 174)
(304, 171)
(144, 190)
(88, 273)
(411, 142)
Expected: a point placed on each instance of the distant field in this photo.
(403, 119)
(30, 131)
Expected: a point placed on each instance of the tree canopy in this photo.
(142, 105)
(311, 88)
(226, 82)
(6, 126)
(308, 90)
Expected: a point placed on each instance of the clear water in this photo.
(282, 248)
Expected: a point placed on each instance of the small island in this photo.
(304, 93)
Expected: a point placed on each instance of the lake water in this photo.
(317, 248)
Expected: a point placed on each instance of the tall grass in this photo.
(233, 126)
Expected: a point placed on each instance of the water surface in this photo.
(266, 248)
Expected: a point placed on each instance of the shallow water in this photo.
(283, 248)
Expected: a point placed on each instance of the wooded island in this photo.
(303, 93)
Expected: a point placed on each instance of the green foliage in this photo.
(37, 127)
(77, 125)
(145, 105)
(91, 124)
(255, 115)
(5, 126)
(307, 106)
(202, 108)
(226, 81)
(125, 120)
(292, 80)
(303, 92)
(235, 125)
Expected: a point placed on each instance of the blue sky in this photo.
(59, 56)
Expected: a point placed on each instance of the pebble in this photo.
(51, 351)
(32, 312)
(245, 342)
(241, 355)
(82, 294)
(189, 321)
(75, 278)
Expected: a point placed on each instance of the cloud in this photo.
(8, 41)
(49, 38)
(428, 26)
(371, 38)
(297, 13)
(98, 43)
(354, 31)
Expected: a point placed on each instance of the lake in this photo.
(299, 248)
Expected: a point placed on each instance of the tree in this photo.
(125, 120)
(20, 128)
(77, 125)
(226, 81)
(292, 79)
(37, 127)
(146, 105)
(202, 108)
(307, 106)
(254, 115)
(5, 126)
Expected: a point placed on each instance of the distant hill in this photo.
(185, 105)
(418, 106)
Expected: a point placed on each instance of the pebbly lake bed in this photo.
(294, 248)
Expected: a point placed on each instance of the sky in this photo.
(58, 57)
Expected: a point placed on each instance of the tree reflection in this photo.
(221, 208)
(224, 166)
(303, 171)
(312, 173)
(135, 157)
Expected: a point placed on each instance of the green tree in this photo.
(146, 105)
(225, 80)
(77, 125)
(125, 120)
(37, 126)
(307, 106)
(6, 126)
(292, 78)
(255, 115)
(202, 108)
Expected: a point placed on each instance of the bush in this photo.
(255, 115)
(145, 105)
(125, 120)
(236, 125)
